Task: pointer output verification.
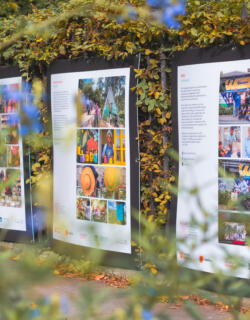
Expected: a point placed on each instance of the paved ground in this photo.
(71, 288)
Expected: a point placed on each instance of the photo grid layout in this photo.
(101, 151)
(10, 171)
(234, 157)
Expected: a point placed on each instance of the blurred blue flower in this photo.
(155, 3)
(64, 304)
(13, 119)
(36, 126)
(131, 12)
(120, 20)
(170, 10)
(147, 315)
(31, 111)
(24, 130)
(168, 18)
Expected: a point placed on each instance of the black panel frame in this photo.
(113, 259)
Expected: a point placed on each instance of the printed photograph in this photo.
(113, 147)
(234, 185)
(99, 210)
(116, 212)
(10, 193)
(9, 133)
(101, 182)
(83, 209)
(229, 142)
(8, 105)
(102, 102)
(245, 141)
(13, 156)
(234, 228)
(87, 146)
(234, 102)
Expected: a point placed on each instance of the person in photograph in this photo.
(108, 150)
(88, 106)
(241, 187)
(236, 97)
(96, 119)
(247, 144)
(221, 152)
(230, 138)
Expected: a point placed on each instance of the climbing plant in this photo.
(114, 30)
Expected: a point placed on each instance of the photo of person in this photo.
(101, 182)
(233, 228)
(99, 210)
(234, 102)
(113, 147)
(7, 104)
(229, 142)
(234, 185)
(102, 102)
(117, 212)
(246, 142)
(10, 194)
(13, 156)
(83, 209)
(87, 146)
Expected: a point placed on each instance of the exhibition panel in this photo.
(95, 151)
(212, 88)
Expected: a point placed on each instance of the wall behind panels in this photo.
(88, 30)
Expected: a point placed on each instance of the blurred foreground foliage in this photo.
(161, 279)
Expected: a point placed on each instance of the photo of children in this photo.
(101, 182)
(229, 142)
(233, 228)
(117, 212)
(87, 146)
(99, 210)
(8, 105)
(234, 104)
(113, 147)
(102, 102)
(83, 209)
(234, 185)
(10, 191)
(13, 156)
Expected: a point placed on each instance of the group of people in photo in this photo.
(229, 142)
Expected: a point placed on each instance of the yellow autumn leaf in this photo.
(168, 115)
(157, 94)
(147, 52)
(153, 270)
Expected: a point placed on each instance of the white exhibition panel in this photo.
(199, 125)
(84, 216)
(12, 199)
